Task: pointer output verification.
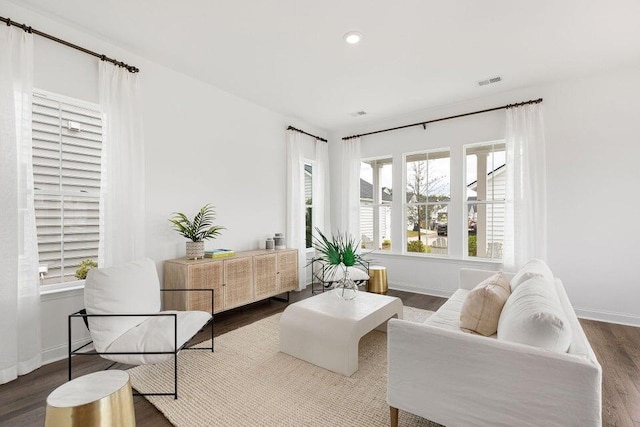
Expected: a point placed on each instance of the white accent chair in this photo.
(123, 315)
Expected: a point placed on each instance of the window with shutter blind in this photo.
(67, 146)
(308, 203)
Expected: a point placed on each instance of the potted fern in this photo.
(198, 230)
(339, 252)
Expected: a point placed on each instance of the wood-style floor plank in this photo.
(23, 401)
(616, 353)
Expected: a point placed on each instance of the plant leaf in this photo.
(201, 228)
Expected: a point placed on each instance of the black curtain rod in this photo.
(9, 23)
(425, 123)
(306, 133)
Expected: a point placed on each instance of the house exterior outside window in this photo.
(376, 198)
(485, 199)
(308, 203)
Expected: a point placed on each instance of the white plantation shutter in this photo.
(67, 145)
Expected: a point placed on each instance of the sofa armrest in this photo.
(455, 378)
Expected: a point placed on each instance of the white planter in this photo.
(195, 250)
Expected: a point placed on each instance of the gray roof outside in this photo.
(366, 192)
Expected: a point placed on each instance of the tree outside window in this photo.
(427, 199)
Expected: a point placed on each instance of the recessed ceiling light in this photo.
(353, 37)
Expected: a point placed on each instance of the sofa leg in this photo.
(394, 416)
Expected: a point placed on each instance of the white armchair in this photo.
(125, 322)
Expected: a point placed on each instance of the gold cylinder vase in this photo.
(100, 399)
(378, 280)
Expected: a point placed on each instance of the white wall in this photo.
(593, 145)
(203, 145)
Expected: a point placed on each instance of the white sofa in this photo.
(455, 378)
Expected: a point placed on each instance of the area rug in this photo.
(248, 382)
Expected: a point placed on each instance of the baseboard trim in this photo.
(400, 286)
(608, 316)
(59, 352)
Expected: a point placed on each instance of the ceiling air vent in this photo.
(359, 113)
(490, 81)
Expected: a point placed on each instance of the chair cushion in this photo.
(448, 315)
(156, 334)
(535, 267)
(131, 288)
(355, 274)
(534, 316)
(481, 309)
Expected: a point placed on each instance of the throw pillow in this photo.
(535, 267)
(481, 309)
(533, 315)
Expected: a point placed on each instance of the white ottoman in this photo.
(325, 329)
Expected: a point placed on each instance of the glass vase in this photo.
(346, 288)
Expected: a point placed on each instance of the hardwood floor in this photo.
(23, 401)
(617, 348)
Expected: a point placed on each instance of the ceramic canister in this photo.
(279, 241)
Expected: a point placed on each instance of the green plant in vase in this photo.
(339, 252)
(198, 230)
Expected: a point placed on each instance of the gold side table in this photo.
(378, 280)
(100, 399)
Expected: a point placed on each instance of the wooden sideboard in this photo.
(247, 277)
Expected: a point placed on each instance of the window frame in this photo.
(406, 205)
(313, 204)
(377, 204)
(466, 203)
(49, 288)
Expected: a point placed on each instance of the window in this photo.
(376, 198)
(428, 193)
(67, 144)
(308, 204)
(485, 201)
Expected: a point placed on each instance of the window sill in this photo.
(61, 287)
(438, 258)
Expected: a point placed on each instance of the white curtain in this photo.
(20, 349)
(350, 182)
(122, 225)
(321, 210)
(295, 234)
(526, 206)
